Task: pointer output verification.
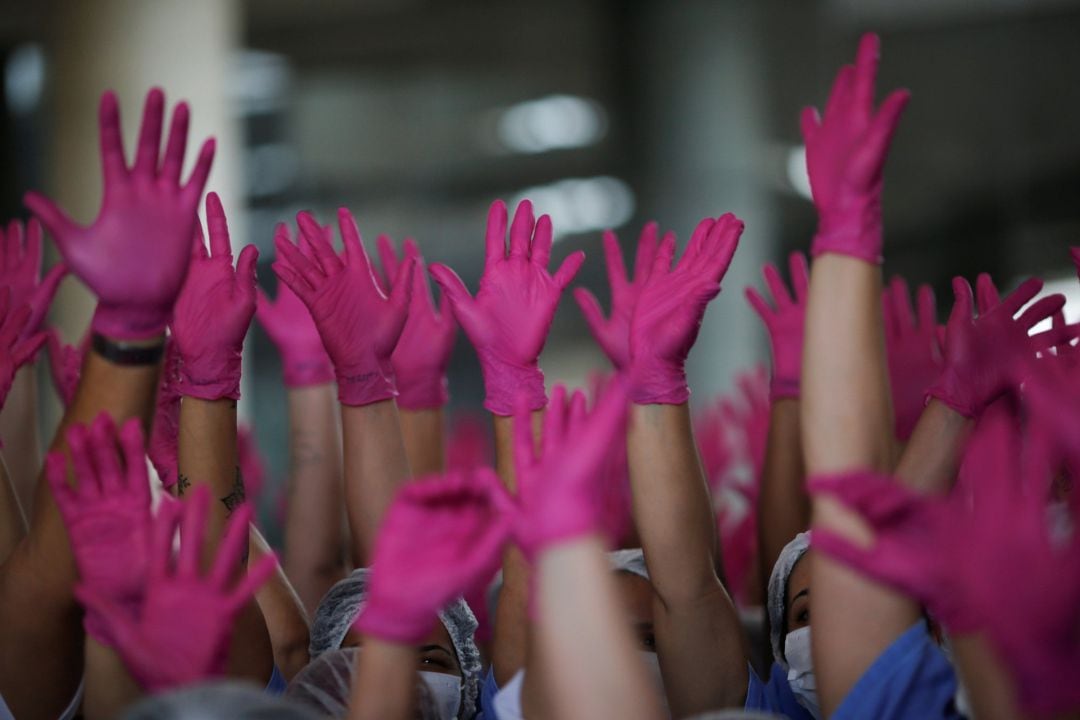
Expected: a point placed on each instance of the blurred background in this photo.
(416, 114)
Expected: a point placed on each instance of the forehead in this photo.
(636, 594)
(799, 579)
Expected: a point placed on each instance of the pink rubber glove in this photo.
(981, 353)
(671, 307)
(17, 348)
(107, 513)
(784, 322)
(165, 432)
(509, 319)
(913, 352)
(181, 630)
(20, 270)
(613, 333)
(423, 351)
(304, 361)
(845, 158)
(561, 488)
(65, 364)
(469, 444)
(135, 255)
(214, 311)
(441, 537)
(358, 324)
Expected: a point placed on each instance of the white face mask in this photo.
(652, 663)
(445, 691)
(801, 670)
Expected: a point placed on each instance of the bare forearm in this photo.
(932, 457)
(590, 659)
(286, 621)
(385, 684)
(314, 541)
(784, 508)
(109, 685)
(424, 443)
(693, 614)
(207, 456)
(19, 430)
(989, 687)
(846, 407)
(375, 467)
(37, 608)
(12, 519)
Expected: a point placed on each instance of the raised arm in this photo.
(20, 272)
(698, 637)
(359, 326)
(783, 506)
(419, 361)
(314, 542)
(508, 322)
(133, 258)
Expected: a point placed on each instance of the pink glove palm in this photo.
(561, 489)
(20, 270)
(845, 158)
(913, 351)
(981, 353)
(358, 324)
(509, 319)
(107, 513)
(288, 322)
(135, 255)
(214, 311)
(613, 333)
(181, 630)
(784, 322)
(671, 307)
(16, 349)
(65, 364)
(441, 538)
(423, 351)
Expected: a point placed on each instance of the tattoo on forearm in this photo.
(236, 496)
(182, 484)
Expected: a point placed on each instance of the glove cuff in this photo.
(658, 383)
(424, 392)
(211, 378)
(784, 387)
(946, 390)
(365, 384)
(303, 372)
(129, 323)
(855, 232)
(505, 384)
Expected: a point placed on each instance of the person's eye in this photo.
(649, 641)
(803, 616)
(434, 662)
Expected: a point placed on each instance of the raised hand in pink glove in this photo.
(135, 255)
(914, 355)
(509, 319)
(65, 364)
(845, 158)
(179, 634)
(423, 351)
(981, 353)
(784, 322)
(20, 270)
(359, 325)
(16, 347)
(671, 307)
(561, 489)
(441, 537)
(214, 311)
(107, 512)
(288, 322)
(613, 333)
(165, 432)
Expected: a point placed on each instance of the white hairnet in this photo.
(338, 611)
(229, 700)
(777, 594)
(631, 561)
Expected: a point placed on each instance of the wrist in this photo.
(949, 390)
(119, 351)
(855, 232)
(784, 387)
(506, 384)
(306, 371)
(127, 323)
(211, 377)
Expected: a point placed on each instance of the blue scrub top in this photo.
(276, 685)
(774, 696)
(488, 691)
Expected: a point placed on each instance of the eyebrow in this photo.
(804, 591)
(432, 648)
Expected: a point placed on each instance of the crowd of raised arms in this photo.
(903, 488)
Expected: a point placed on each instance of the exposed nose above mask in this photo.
(445, 691)
(801, 670)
